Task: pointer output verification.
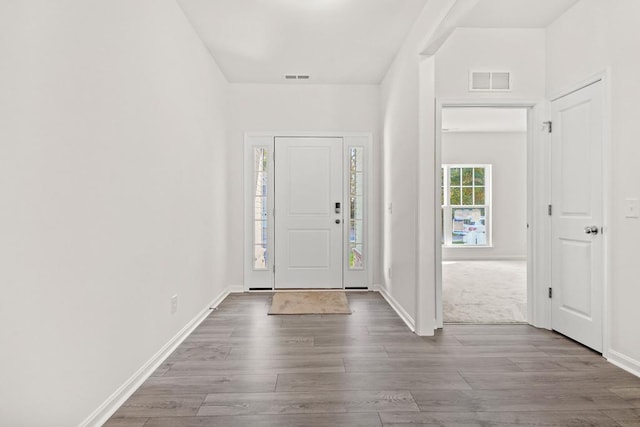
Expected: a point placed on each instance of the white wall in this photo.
(112, 173)
(507, 153)
(296, 108)
(401, 93)
(520, 51)
(592, 36)
(407, 137)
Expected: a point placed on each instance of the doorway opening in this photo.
(483, 194)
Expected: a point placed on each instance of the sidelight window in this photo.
(356, 207)
(260, 204)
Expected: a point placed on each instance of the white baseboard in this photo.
(483, 258)
(624, 362)
(231, 289)
(111, 405)
(396, 306)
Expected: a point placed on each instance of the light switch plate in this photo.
(632, 208)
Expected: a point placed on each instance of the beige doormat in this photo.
(310, 303)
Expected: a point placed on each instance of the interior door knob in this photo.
(338, 221)
(591, 230)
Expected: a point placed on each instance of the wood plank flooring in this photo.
(242, 367)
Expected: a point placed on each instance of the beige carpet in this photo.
(310, 303)
(484, 291)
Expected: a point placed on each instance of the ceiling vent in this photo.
(489, 81)
(296, 77)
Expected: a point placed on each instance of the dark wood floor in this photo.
(242, 367)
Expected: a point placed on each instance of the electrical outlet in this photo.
(174, 304)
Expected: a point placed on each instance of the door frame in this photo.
(538, 194)
(264, 279)
(607, 199)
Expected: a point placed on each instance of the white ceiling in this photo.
(481, 119)
(334, 41)
(516, 13)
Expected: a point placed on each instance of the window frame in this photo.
(361, 218)
(447, 207)
(266, 195)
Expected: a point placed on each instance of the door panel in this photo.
(577, 254)
(312, 248)
(308, 240)
(575, 159)
(575, 278)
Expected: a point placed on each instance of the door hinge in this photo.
(274, 268)
(550, 292)
(550, 210)
(548, 125)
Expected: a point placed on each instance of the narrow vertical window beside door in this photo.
(356, 208)
(260, 233)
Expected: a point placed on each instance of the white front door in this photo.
(308, 213)
(577, 269)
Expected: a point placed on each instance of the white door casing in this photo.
(538, 195)
(308, 230)
(577, 248)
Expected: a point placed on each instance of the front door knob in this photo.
(591, 230)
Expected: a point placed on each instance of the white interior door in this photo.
(577, 268)
(308, 213)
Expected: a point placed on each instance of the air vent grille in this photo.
(296, 77)
(480, 81)
(489, 81)
(501, 81)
